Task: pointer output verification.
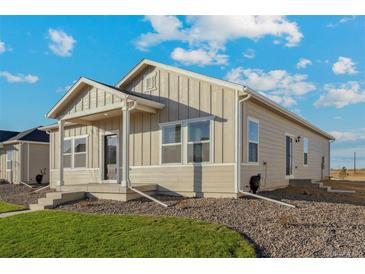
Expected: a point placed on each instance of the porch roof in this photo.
(142, 102)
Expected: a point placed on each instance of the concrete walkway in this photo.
(7, 214)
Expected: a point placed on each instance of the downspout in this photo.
(238, 140)
(129, 185)
(239, 154)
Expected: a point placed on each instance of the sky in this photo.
(312, 65)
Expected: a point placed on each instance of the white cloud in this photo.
(61, 43)
(19, 78)
(345, 136)
(213, 32)
(343, 20)
(249, 54)
(303, 63)
(278, 85)
(2, 47)
(66, 88)
(199, 57)
(341, 96)
(337, 117)
(344, 65)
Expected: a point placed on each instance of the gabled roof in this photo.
(243, 89)
(112, 89)
(30, 135)
(6, 135)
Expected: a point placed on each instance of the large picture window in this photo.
(74, 152)
(199, 142)
(305, 150)
(9, 158)
(171, 144)
(253, 140)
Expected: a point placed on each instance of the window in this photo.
(199, 142)
(171, 144)
(9, 158)
(305, 150)
(253, 140)
(74, 152)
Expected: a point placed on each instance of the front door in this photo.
(288, 156)
(110, 157)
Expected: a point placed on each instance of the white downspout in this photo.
(238, 141)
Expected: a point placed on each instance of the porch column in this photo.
(125, 151)
(61, 137)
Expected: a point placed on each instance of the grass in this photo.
(65, 234)
(6, 207)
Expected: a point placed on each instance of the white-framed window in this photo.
(198, 149)
(171, 145)
(253, 140)
(9, 159)
(305, 150)
(187, 141)
(75, 152)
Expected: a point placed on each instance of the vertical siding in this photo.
(185, 98)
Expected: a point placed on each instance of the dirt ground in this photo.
(359, 175)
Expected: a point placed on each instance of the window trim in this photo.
(72, 138)
(153, 77)
(11, 160)
(306, 164)
(249, 118)
(199, 142)
(184, 141)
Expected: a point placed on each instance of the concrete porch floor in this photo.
(109, 191)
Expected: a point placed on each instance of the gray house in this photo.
(23, 155)
(180, 132)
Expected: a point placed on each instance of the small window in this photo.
(199, 142)
(74, 153)
(9, 158)
(253, 141)
(67, 153)
(80, 152)
(171, 144)
(305, 150)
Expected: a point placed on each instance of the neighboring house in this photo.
(188, 133)
(23, 155)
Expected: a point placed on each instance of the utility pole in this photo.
(354, 162)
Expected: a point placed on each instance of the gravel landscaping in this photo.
(322, 225)
(20, 194)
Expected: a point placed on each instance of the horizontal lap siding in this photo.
(272, 149)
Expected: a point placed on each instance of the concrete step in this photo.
(54, 199)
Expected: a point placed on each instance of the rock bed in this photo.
(314, 229)
(20, 194)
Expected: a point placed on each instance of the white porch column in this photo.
(125, 151)
(61, 124)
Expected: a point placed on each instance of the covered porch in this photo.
(114, 144)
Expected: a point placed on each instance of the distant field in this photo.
(359, 175)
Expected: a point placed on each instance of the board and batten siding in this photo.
(272, 130)
(184, 98)
(90, 98)
(15, 173)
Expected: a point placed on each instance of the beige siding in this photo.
(13, 175)
(185, 98)
(90, 98)
(273, 128)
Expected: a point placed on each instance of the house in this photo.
(185, 133)
(23, 155)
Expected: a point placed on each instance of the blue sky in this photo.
(313, 65)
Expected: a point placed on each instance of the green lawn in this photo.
(6, 207)
(65, 234)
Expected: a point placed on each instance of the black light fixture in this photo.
(297, 140)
